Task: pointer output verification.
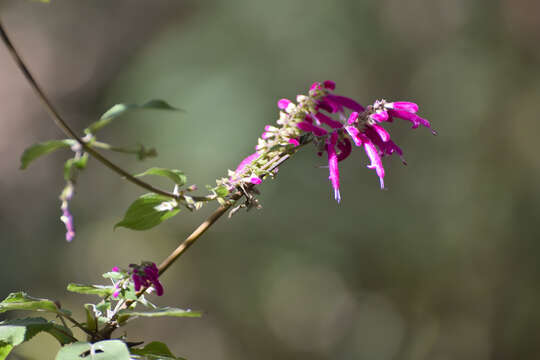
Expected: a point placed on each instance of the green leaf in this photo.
(176, 176)
(102, 350)
(165, 311)
(154, 351)
(17, 331)
(21, 301)
(120, 109)
(37, 150)
(99, 290)
(5, 349)
(13, 335)
(144, 213)
(221, 191)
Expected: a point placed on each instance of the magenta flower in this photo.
(146, 275)
(361, 125)
(335, 122)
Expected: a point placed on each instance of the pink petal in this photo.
(294, 142)
(355, 135)
(353, 118)
(283, 103)
(240, 169)
(328, 121)
(333, 165)
(376, 162)
(380, 116)
(405, 106)
(339, 101)
(306, 126)
(383, 134)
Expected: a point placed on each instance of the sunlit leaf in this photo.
(33, 152)
(99, 290)
(148, 211)
(120, 109)
(17, 331)
(21, 301)
(5, 349)
(176, 176)
(102, 350)
(165, 311)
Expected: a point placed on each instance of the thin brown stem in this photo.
(66, 129)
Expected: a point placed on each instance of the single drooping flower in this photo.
(146, 275)
(335, 122)
(66, 217)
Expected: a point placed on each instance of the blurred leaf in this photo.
(21, 301)
(221, 191)
(154, 351)
(5, 349)
(99, 290)
(17, 331)
(37, 150)
(166, 311)
(13, 335)
(102, 350)
(176, 176)
(146, 212)
(120, 109)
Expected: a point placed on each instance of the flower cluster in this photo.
(334, 122)
(146, 275)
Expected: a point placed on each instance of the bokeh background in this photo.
(444, 264)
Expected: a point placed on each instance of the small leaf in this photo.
(165, 311)
(17, 331)
(154, 351)
(99, 290)
(119, 109)
(37, 150)
(148, 211)
(221, 191)
(102, 350)
(21, 301)
(176, 176)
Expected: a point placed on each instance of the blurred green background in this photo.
(442, 265)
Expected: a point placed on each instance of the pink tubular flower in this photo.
(146, 275)
(376, 162)
(309, 127)
(333, 165)
(283, 104)
(295, 142)
(242, 166)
